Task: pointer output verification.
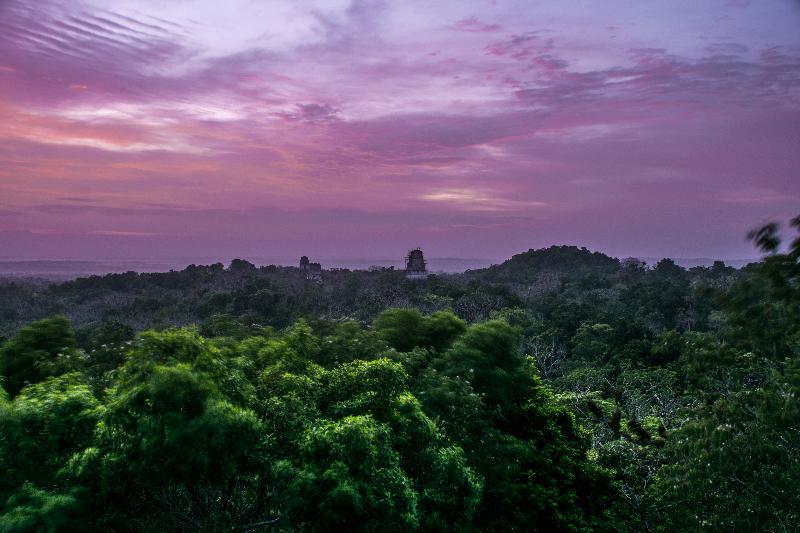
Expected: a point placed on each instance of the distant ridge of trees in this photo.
(564, 259)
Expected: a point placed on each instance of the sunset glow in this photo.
(338, 128)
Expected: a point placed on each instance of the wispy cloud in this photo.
(472, 24)
(460, 112)
(116, 233)
(477, 200)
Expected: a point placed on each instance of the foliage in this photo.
(563, 390)
(43, 348)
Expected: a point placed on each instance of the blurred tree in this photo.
(43, 348)
(402, 329)
(42, 427)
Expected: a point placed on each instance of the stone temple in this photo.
(312, 271)
(415, 265)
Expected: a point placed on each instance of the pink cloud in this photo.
(472, 24)
(515, 134)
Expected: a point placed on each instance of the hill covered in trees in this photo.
(563, 390)
(277, 296)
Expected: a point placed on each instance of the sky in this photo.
(188, 128)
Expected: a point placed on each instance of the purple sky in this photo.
(338, 128)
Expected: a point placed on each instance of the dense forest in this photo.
(563, 390)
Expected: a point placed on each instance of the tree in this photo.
(358, 452)
(406, 329)
(441, 329)
(667, 268)
(592, 342)
(528, 448)
(176, 448)
(763, 307)
(43, 348)
(735, 465)
(31, 510)
(43, 427)
(350, 477)
(402, 329)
